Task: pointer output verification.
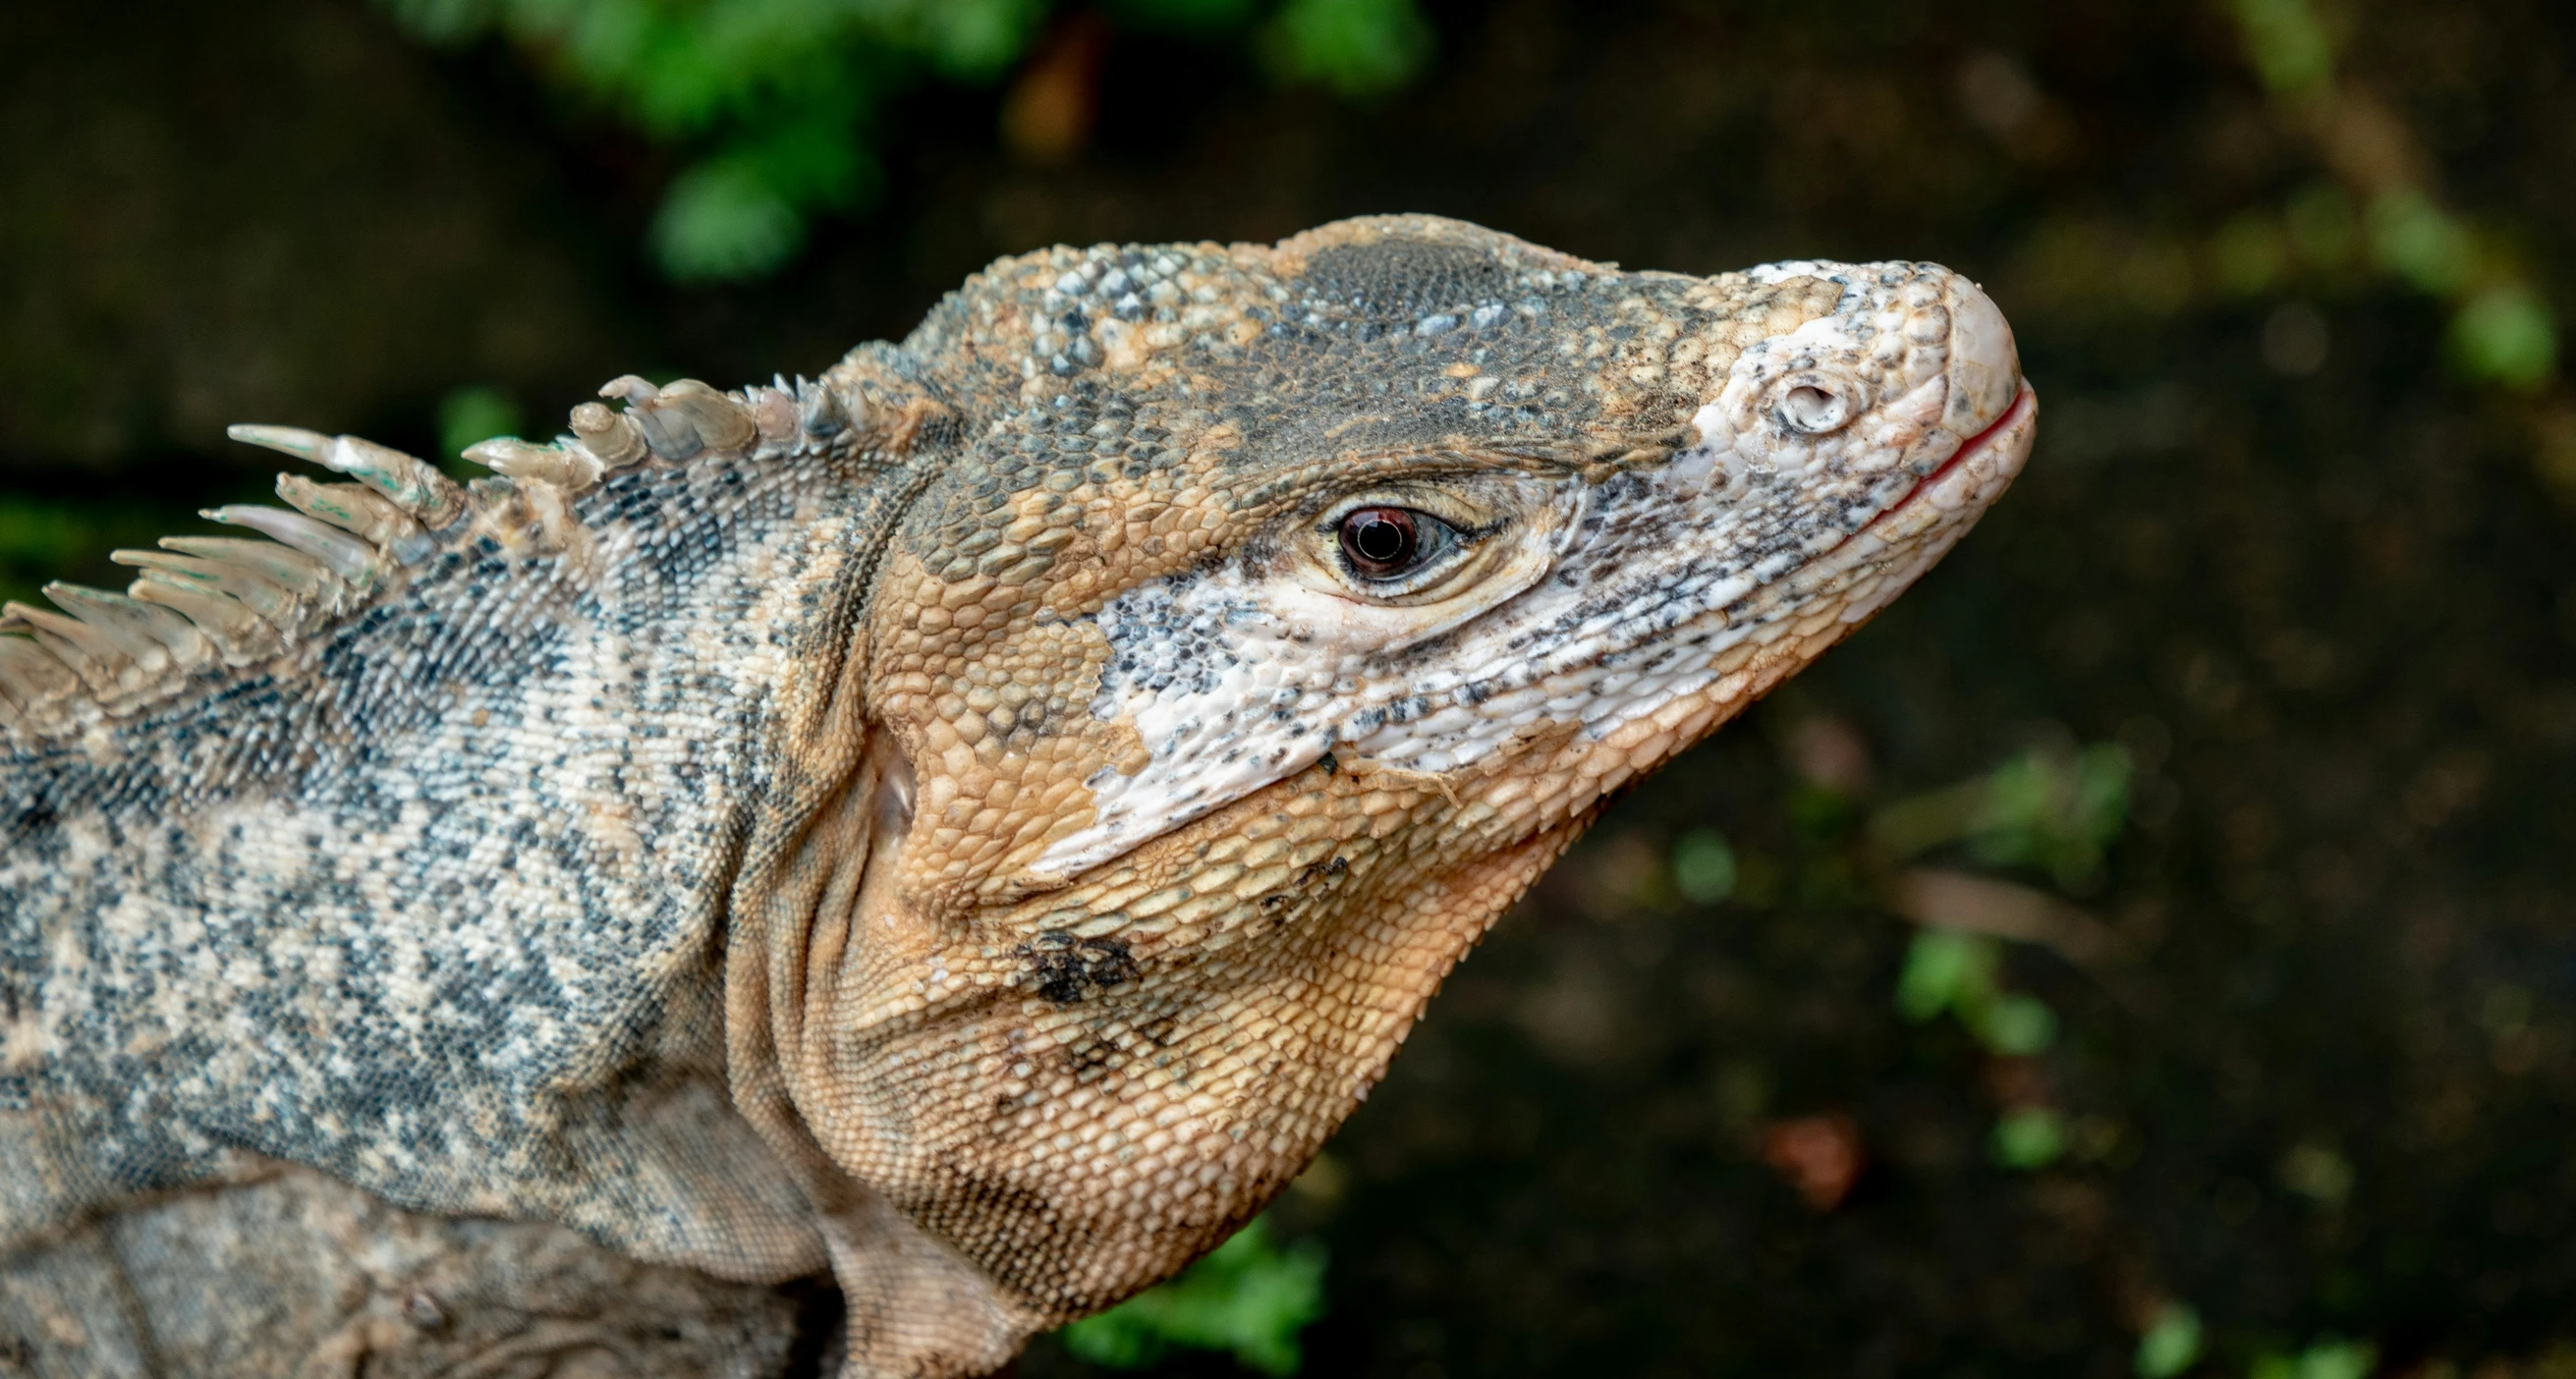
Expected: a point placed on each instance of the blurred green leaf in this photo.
(444, 21)
(2318, 1173)
(1703, 866)
(2505, 335)
(2419, 242)
(2170, 1344)
(472, 414)
(2323, 224)
(1945, 971)
(41, 541)
(1954, 972)
(721, 220)
(1356, 47)
(2049, 808)
(2015, 1025)
(2029, 1138)
(2330, 1358)
(1250, 1298)
(2054, 810)
(2251, 253)
(773, 97)
(2286, 44)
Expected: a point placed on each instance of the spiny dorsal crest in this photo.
(206, 604)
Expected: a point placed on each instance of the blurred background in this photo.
(2150, 948)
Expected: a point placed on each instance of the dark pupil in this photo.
(1378, 539)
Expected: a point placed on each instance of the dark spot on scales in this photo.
(1066, 968)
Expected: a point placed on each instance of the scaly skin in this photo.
(970, 822)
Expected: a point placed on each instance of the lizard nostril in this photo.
(1813, 409)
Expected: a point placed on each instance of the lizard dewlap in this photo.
(974, 822)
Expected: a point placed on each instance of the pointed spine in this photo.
(93, 655)
(347, 556)
(612, 438)
(145, 628)
(571, 468)
(360, 511)
(241, 635)
(265, 597)
(819, 410)
(412, 484)
(290, 570)
(31, 675)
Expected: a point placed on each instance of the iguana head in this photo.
(1279, 614)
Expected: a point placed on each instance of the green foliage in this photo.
(2250, 253)
(41, 541)
(2289, 47)
(1704, 866)
(1251, 1298)
(2016, 1025)
(2170, 1344)
(2053, 810)
(2422, 244)
(1356, 47)
(2029, 1138)
(2050, 808)
(2330, 1358)
(2323, 224)
(1945, 971)
(773, 99)
(473, 414)
(2501, 332)
(2505, 335)
(1956, 973)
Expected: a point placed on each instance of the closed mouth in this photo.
(1995, 434)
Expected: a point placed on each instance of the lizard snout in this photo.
(1984, 368)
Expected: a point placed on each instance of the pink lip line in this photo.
(2021, 404)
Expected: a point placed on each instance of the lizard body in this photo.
(976, 822)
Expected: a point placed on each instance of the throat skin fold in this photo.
(960, 823)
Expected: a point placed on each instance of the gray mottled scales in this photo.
(433, 903)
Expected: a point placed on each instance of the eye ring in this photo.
(1384, 542)
(1814, 408)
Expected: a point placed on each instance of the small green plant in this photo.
(1250, 1298)
(2501, 331)
(1953, 972)
(2056, 809)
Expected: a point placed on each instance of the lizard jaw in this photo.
(1992, 456)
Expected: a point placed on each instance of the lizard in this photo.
(973, 823)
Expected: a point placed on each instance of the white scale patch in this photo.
(1236, 677)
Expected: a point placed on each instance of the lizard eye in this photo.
(1388, 543)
